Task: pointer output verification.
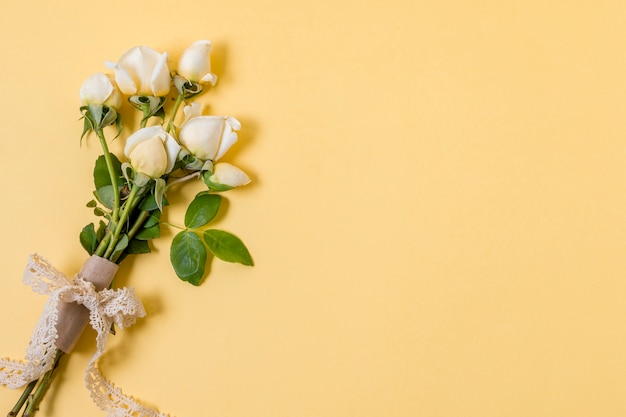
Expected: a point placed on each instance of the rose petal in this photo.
(96, 89)
(191, 111)
(228, 136)
(123, 79)
(229, 175)
(172, 148)
(140, 136)
(160, 82)
(201, 135)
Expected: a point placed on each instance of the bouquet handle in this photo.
(73, 317)
(71, 305)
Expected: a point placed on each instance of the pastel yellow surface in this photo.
(438, 212)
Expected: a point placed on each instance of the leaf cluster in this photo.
(192, 247)
(145, 219)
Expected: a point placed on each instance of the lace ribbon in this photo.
(120, 306)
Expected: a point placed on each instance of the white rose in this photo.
(142, 71)
(209, 137)
(195, 63)
(227, 176)
(100, 89)
(152, 151)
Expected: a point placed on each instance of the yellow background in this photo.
(438, 213)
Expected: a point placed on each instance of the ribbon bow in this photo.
(120, 306)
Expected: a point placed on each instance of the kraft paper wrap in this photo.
(64, 319)
(73, 317)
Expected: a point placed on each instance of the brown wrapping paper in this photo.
(73, 317)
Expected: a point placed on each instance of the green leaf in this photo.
(89, 239)
(119, 125)
(101, 176)
(122, 243)
(202, 210)
(87, 126)
(149, 233)
(188, 256)
(159, 192)
(149, 203)
(206, 175)
(102, 229)
(227, 247)
(137, 247)
(92, 203)
(153, 219)
(105, 196)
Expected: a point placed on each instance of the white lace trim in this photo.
(120, 306)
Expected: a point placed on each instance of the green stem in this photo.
(128, 207)
(175, 226)
(170, 124)
(35, 399)
(145, 108)
(20, 403)
(109, 163)
(141, 218)
(104, 244)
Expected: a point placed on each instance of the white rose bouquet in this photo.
(130, 195)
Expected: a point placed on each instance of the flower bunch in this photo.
(165, 150)
(130, 195)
